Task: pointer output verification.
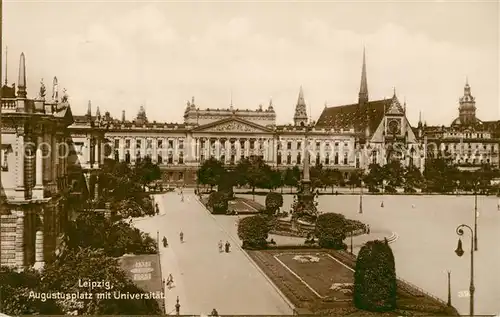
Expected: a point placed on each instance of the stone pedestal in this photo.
(39, 261)
(20, 241)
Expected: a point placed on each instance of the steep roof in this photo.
(354, 116)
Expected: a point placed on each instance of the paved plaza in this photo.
(204, 278)
(424, 250)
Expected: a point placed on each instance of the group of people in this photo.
(165, 241)
(224, 247)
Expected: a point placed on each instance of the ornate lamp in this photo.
(459, 251)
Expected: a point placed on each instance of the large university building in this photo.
(347, 138)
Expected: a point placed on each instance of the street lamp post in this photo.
(459, 251)
(449, 289)
(361, 199)
(352, 232)
(475, 218)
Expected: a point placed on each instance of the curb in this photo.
(394, 236)
(237, 243)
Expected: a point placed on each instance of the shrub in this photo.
(375, 277)
(273, 202)
(390, 189)
(373, 189)
(331, 230)
(410, 190)
(218, 202)
(253, 231)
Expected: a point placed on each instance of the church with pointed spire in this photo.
(378, 126)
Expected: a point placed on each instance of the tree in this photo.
(331, 229)
(253, 171)
(317, 176)
(375, 277)
(274, 201)
(64, 273)
(440, 175)
(210, 172)
(394, 173)
(114, 238)
(253, 231)
(146, 171)
(292, 177)
(15, 288)
(227, 180)
(412, 178)
(218, 202)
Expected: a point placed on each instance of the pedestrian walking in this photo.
(170, 281)
(368, 229)
(228, 246)
(382, 204)
(221, 248)
(181, 237)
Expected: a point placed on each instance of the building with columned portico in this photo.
(348, 138)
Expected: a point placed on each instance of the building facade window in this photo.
(289, 146)
(336, 159)
(181, 158)
(159, 159)
(138, 143)
(149, 143)
(289, 159)
(127, 143)
(117, 143)
(127, 157)
(278, 159)
(117, 155)
(160, 144)
(170, 159)
(299, 159)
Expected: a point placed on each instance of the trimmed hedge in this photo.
(273, 202)
(331, 229)
(218, 202)
(375, 283)
(253, 231)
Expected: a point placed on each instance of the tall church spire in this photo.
(21, 82)
(363, 89)
(300, 117)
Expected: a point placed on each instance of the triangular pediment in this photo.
(233, 125)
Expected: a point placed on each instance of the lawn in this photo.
(325, 276)
(320, 282)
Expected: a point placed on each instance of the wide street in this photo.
(424, 250)
(204, 278)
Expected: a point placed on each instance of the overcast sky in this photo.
(123, 54)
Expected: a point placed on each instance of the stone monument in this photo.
(305, 206)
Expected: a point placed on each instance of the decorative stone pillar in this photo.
(46, 163)
(96, 152)
(39, 261)
(54, 160)
(20, 241)
(38, 190)
(20, 163)
(96, 188)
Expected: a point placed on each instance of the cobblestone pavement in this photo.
(204, 278)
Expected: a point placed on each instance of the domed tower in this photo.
(467, 109)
